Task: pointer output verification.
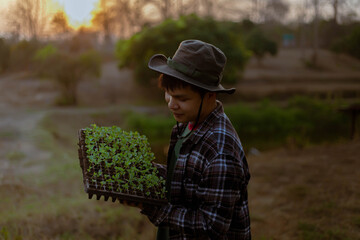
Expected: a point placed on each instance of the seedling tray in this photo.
(93, 185)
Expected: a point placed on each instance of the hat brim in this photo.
(158, 63)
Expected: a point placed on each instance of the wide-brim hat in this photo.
(195, 62)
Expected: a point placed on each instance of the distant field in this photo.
(286, 75)
(307, 194)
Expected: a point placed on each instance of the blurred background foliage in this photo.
(4, 55)
(164, 38)
(348, 44)
(303, 121)
(56, 78)
(260, 45)
(67, 69)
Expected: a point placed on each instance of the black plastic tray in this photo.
(94, 189)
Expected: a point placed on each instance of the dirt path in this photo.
(25, 101)
(19, 154)
(23, 90)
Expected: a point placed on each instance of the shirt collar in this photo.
(207, 123)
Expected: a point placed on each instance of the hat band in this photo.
(213, 80)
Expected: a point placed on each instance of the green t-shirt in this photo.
(163, 232)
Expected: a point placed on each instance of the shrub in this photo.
(155, 127)
(266, 125)
(304, 120)
(349, 44)
(22, 54)
(260, 45)
(4, 55)
(165, 38)
(44, 57)
(67, 69)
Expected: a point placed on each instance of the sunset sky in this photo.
(78, 11)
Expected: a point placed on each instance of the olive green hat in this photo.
(195, 62)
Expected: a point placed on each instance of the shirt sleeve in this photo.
(218, 191)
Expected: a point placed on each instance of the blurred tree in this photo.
(329, 32)
(43, 57)
(67, 69)
(342, 7)
(165, 7)
(275, 11)
(60, 23)
(28, 17)
(349, 44)
(104, 18)
(248, 25)
(260, 45)
(335, 5)
(22, 53)
(4, 55)
(302, 14)
(130, 16)
(209, 7)
(315, 44)
(83, 40)
(165, 38)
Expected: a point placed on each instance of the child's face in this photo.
(184, 103)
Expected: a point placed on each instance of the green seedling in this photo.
(122, 161)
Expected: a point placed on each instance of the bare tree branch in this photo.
(28, 17)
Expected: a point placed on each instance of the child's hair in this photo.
(167, 82)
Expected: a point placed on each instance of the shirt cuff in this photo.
(157, 214)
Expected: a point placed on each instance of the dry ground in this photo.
(311, 193)
(286, 74)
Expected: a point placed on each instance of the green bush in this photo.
(303, 121)
(22, 54)
(260, 45)
(156, 128)
(165, 38)
(44, 57)
(67, 69)
(4, 55)
(349, 44)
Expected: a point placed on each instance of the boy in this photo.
(207, 172)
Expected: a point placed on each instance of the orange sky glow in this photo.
(79, 12)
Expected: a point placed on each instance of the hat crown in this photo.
(195, 62)
(202, 57)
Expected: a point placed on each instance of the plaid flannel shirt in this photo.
(209, 186)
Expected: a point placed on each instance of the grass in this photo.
(298, 192)
(266, 125)
(15, 155)
(325, 208)
(309, 231)
(51, 204)
(301, 122)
